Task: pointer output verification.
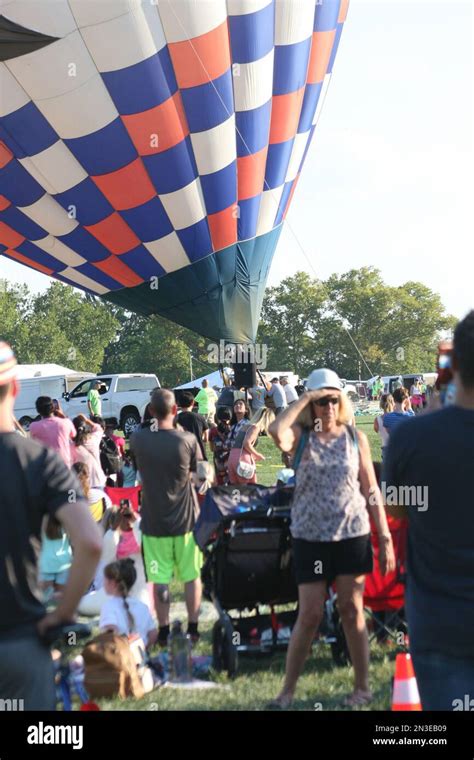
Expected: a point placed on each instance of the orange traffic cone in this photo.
(405, 694)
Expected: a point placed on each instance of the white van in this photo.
(123, 397)
(32, 387)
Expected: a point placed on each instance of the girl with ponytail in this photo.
(122, 613)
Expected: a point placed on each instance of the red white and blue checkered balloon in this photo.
(149, 149)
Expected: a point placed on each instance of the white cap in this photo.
(323, 378)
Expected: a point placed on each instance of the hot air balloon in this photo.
(149, 149)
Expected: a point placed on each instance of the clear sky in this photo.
(388, 180)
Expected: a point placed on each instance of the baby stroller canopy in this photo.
(225, 501)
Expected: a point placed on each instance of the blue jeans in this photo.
(443, 679)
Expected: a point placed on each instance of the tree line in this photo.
(353, 323)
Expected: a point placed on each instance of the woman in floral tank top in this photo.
(336, 487)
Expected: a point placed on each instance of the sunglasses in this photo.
(327, 400)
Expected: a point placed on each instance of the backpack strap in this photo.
(300, 448)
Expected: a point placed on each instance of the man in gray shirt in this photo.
(277, 393)
(165, 458)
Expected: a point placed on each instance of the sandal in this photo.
(358, 698)
(280, 703)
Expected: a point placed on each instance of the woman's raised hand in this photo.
(311, 396)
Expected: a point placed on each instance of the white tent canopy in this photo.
(214, 379)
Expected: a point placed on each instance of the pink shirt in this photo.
(120, 443)
(127, 544)
(92, 442)
(56, 433)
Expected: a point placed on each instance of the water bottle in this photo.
(179, 648)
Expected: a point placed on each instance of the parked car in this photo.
(123, 396)
(54, 386)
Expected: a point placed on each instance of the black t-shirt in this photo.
(34, 482)
(165, 459)
(194, 423)
(434, 454)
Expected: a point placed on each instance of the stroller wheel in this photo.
(224, 651)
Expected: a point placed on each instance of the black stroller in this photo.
(245, 536)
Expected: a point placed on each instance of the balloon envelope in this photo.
(149, 150)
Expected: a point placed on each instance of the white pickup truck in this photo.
(123, 397)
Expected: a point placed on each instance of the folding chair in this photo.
(133, 494)
(384, 595)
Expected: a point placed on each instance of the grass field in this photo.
(322, 685)
(267, 470)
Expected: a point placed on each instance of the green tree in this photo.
(352, 322)
(418, 318)
(362, 305)
(349, 322)
(396, 329)
(67, 328)
(14, 306)
(153, 344)
(289, 327)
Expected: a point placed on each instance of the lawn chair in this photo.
(133, 494)
(384, 595)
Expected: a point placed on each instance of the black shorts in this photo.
(325, 560)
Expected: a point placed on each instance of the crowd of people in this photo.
(417, 393)
(63, 540)
(106, 559)
(232, 423)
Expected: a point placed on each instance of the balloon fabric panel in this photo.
(160, 141)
